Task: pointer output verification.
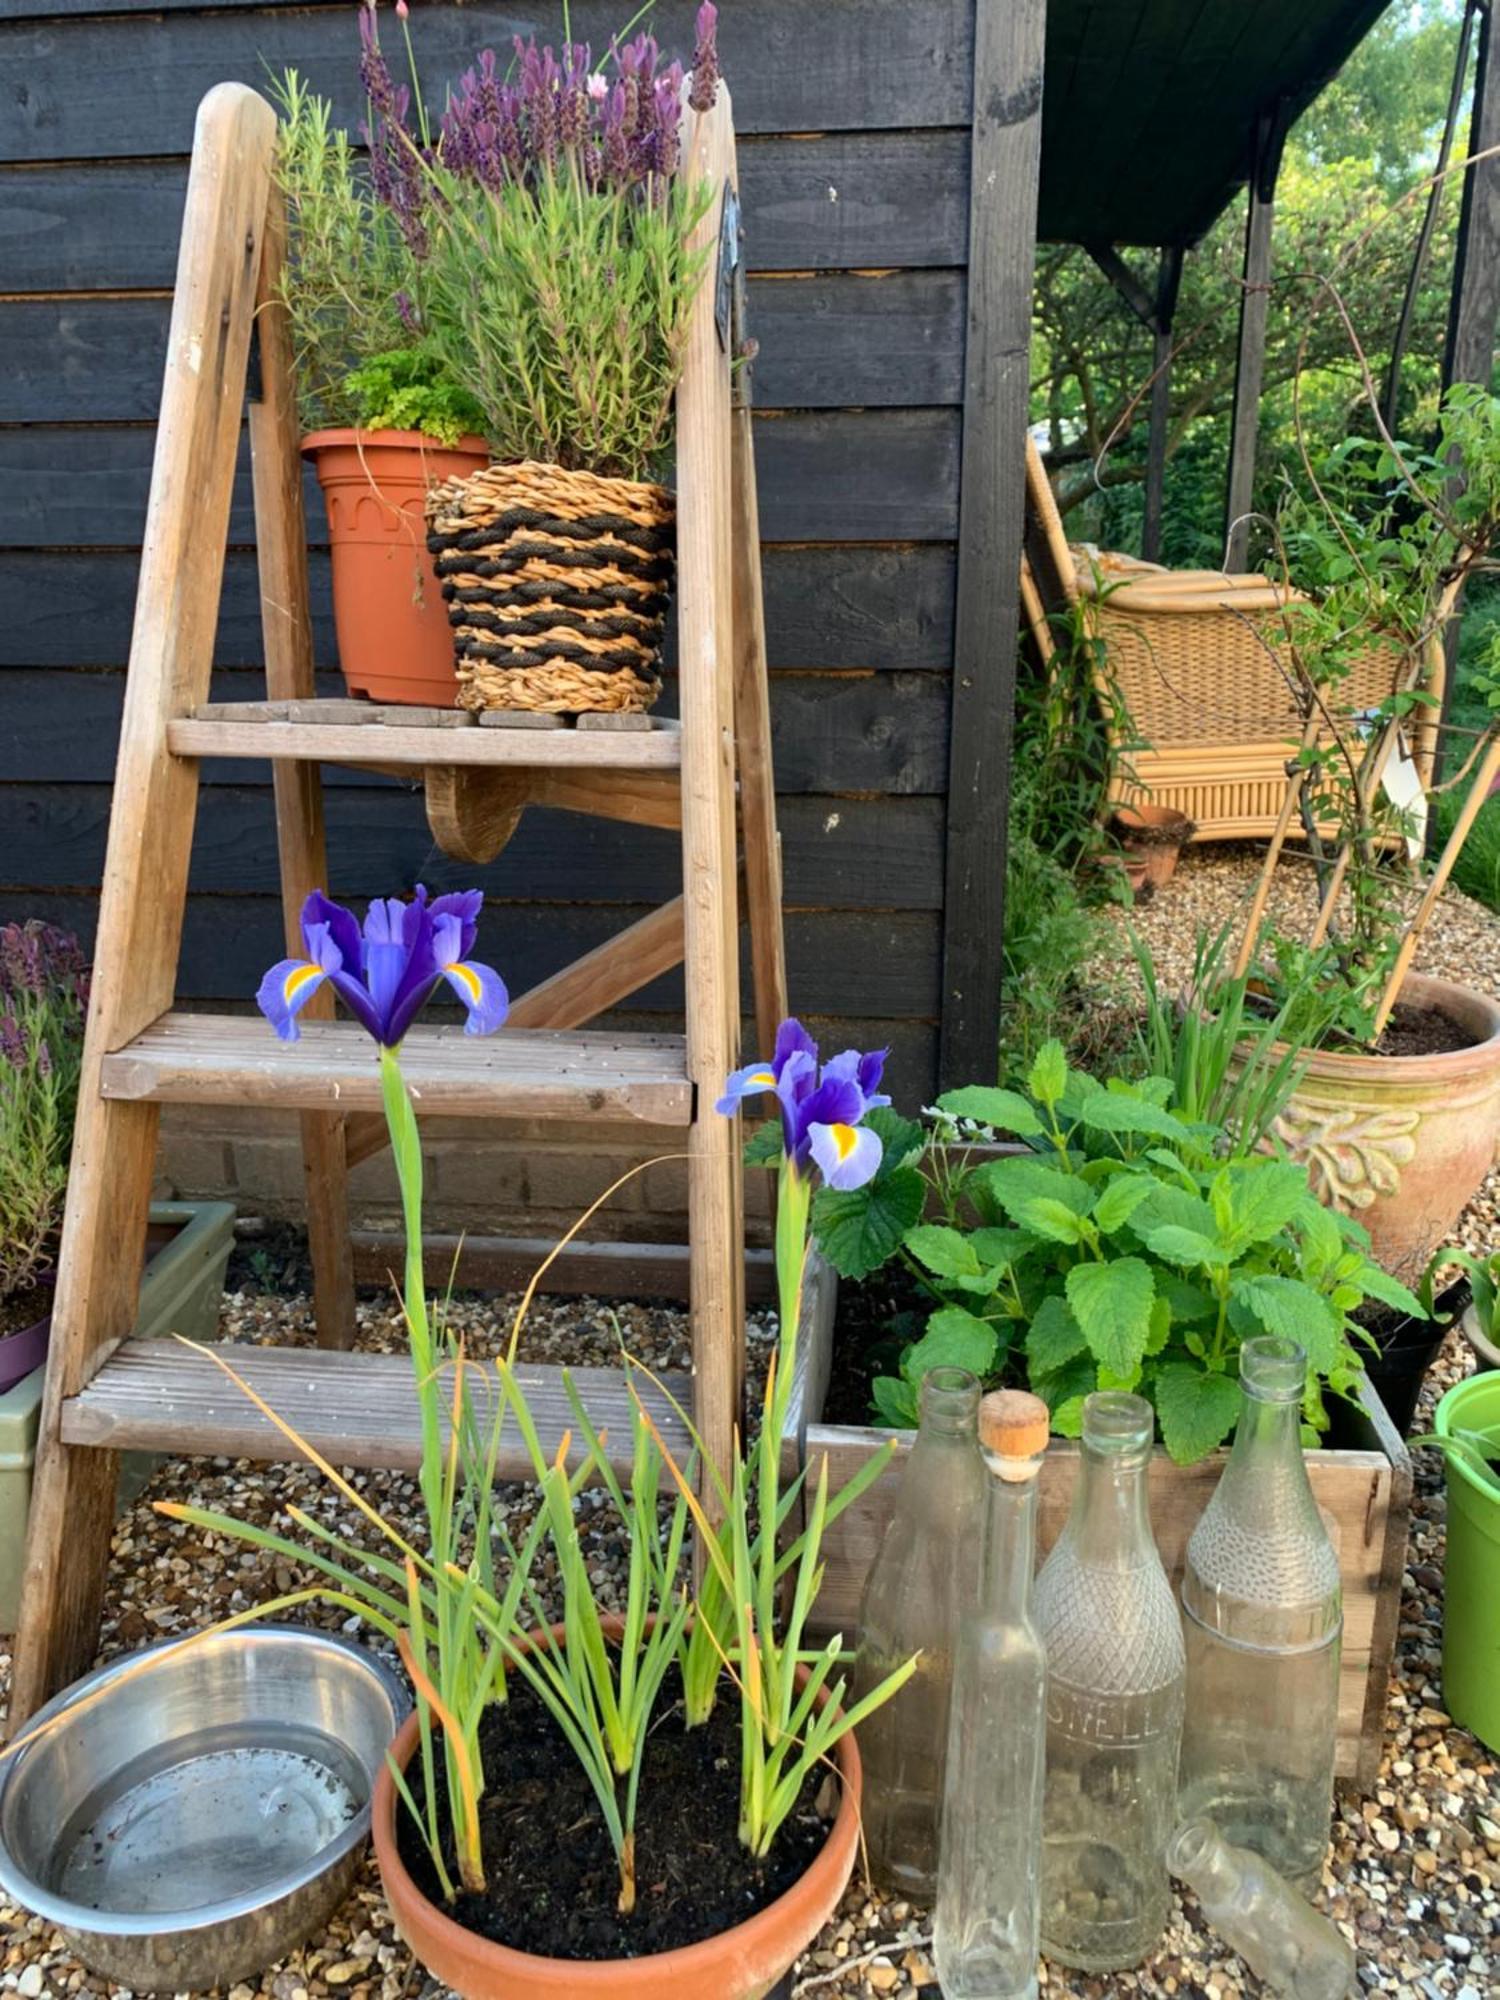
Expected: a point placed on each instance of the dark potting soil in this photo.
(1422, 1031)
(24, 1309)
(552, 1875)
(877, 1316)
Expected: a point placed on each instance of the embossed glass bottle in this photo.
(1263, 1619)
(984, 1930)
(921, 1582)
(1114, 1705)
(1283, 1940)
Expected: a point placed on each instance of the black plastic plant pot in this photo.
(1407, 1349)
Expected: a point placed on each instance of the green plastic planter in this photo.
(1471, 1586)
(187, 1249)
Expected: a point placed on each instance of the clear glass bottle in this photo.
(1114, 1705)
(922, 1580)
(984, 1932)
(1263, 1620)
(1283, 1940)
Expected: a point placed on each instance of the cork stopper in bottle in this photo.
(1013, 1431)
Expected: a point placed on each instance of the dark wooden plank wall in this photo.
(854, 122)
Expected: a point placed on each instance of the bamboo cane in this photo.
(1488, 770)
(1296, 779)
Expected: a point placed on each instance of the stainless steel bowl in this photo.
(203, 1810)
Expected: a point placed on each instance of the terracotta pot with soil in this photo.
(548, 1926)
(1401, 1138)
(394, 639)
(1153, 837)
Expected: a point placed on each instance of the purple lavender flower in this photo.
(43, 1059)
(706, 59)
(12, 1048)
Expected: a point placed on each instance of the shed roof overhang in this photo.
(1150, 107)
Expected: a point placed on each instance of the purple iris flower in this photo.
(821, 1112)
(387, 973)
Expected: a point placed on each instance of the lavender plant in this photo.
(43, 1000)
(350, 275)
(549, 225)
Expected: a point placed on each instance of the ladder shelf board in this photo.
(520, 1072)
(203, 734)
(354, 1409)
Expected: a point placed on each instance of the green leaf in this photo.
(1176, 1205)
(902, 1139)
(1016, 1181)
(1184, 1246)
(1112, 1304)
(1378, 1284)
(954, 1339)
(1053, 1219)
(1161, 1320)
(1294, 1311)
(895, 1402)
(1006, 1110)
(1113, 1112)
(1054, 1337)
(1004, 1247)
(1264, 1197)
(1190, 1304)
(858, 1229)
(1122, 1195)
(1049, 1073)
(765, 1145)
(947, 1253)
(1197, 1410)
(1067, 1417)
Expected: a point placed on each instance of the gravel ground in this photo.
(1413, 1875)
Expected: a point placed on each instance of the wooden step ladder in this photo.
(106, 1393)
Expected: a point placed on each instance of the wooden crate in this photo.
(1365, 1497)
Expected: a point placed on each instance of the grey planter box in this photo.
(187, 1249)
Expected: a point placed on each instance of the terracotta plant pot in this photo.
(739, 1964)
(1154, 835)
(1402, 1142)
(395, 643)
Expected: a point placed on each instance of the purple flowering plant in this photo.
(43, 1001)
(549, 225)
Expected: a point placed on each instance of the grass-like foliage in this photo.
(463, 1608)
(43, 995)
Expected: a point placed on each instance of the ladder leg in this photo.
(146, 869)
(752, 724)
(710, 886)
(286, 622)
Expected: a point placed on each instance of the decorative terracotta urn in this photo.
(1402, 1142)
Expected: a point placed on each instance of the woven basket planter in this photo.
(557, 585)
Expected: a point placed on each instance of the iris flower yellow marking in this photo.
(296, 980)
(470, 980)
(844, 1137)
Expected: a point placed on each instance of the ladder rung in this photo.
(517, 1073)
(354, 1409)
(343, 743)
